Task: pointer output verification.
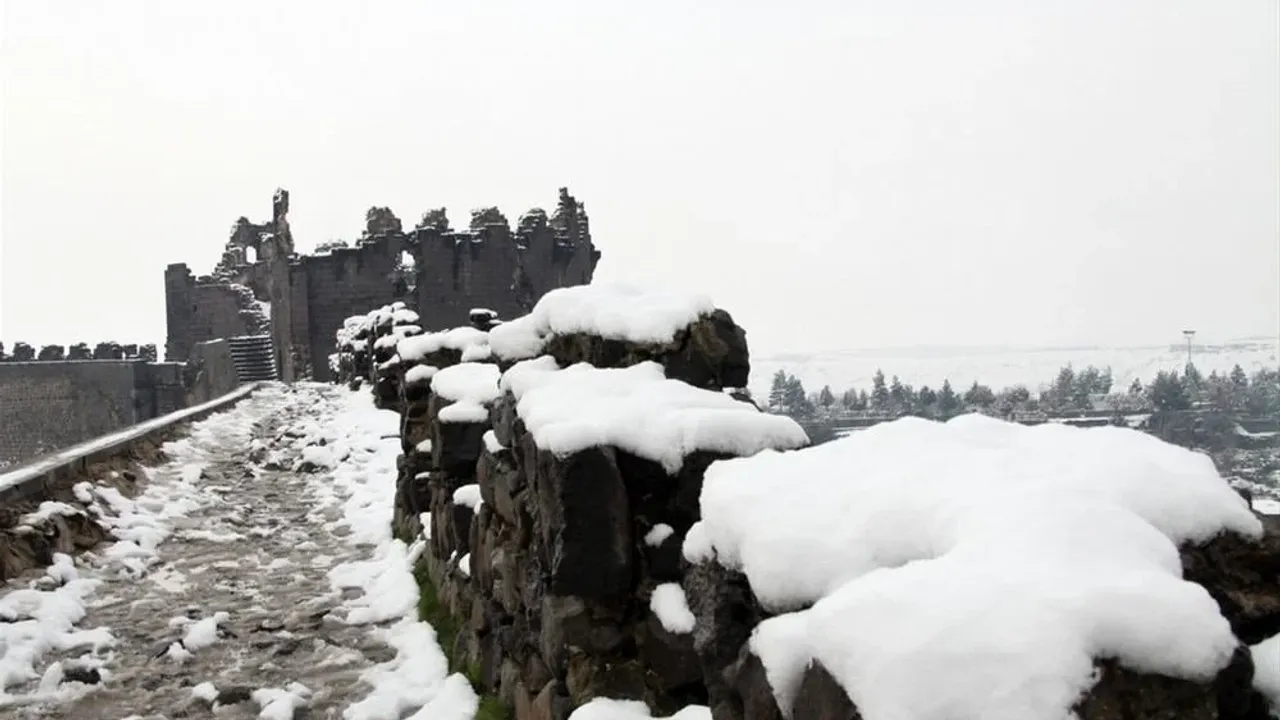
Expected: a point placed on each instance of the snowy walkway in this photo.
(254, 577)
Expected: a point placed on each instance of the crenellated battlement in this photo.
(261, 283)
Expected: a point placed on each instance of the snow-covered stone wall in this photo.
(608, 519)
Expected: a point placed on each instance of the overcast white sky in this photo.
(836, 174)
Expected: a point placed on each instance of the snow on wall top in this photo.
(471, 387)
(395, 313)
(978, 578)
(420, 374)
(415, 348)
(393, 338)
(350, 328)
(617, 312)
(640, 411)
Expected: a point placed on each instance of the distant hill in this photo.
(1005, 366)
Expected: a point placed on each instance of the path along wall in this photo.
(39, 511)
(592, 537)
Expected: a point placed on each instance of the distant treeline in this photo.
(1073, 391)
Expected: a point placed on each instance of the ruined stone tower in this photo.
(262, 286)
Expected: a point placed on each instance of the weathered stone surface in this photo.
(506, 423)
(522, 702)
(657, 497)
(1121, 694)
(461, 527)
(551, 703)
(669, 656)
(714, 354)
(509, 684)
(415, 426)
(456, 446)
(753, 696)
(501, 485)
(665, 562)
(820, 697)
(725, 612)
(710, 353)
(587, 679)
(568, 623)
(585, 522)
(1243, 577)
(413, 494)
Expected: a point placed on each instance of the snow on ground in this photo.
(1003, 366)
(416, 679)
(41, 614)
(1026, 551)
(244, 577)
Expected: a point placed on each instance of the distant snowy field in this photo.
(1004, 366)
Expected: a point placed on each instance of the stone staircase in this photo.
(254, 358)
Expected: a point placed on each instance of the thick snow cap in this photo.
(616, 312)
(974, 568)
(639, 410)
(413, 349)
(472, 387)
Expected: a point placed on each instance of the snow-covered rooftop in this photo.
(973, 568)
(616, 312)
(638, 410)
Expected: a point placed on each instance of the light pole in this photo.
(1190, 335)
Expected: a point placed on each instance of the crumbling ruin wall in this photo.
(209, 373)
(440, 272)
(492, 266)
(49, 405)
(459, 271)
(549, 561)
(561, 568)
(339, 283)
(199, 310)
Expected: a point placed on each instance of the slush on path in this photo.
(254, 575)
